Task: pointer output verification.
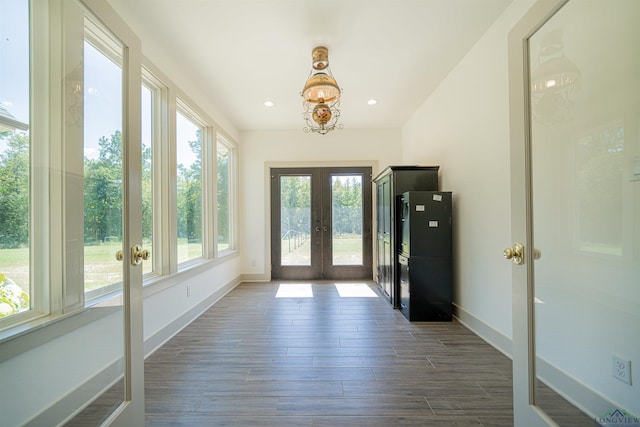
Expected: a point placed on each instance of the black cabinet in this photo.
(390, 183)
(425, 255)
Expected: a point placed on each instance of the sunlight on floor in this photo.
(294, 290)
(355, 290)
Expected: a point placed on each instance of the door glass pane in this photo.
(15, 289)
(295, 220)
(346, 219)
(148, 134)
(585, 71)
(189, 159)
(102, 172)
(94, 111)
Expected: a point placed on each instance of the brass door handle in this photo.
(138, 255)
(516, 253)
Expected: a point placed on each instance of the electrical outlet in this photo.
(622, 369)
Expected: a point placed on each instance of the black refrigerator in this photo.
(425, 255)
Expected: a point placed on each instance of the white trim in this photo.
(73, 403)
(156, 341)
(265, 277)
(583, 397)
(492, 336)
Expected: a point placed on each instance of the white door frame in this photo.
(526, 413)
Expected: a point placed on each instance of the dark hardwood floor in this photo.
(256, 360)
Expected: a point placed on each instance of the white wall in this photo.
(261, 149)
(464, 128)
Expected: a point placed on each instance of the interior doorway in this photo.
(321, 223)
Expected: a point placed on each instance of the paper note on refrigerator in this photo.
(433, 224)
(419, 208)
(437, 197)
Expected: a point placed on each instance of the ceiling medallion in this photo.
(321, 95)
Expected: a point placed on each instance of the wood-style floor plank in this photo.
(256, 360)
(253, 359)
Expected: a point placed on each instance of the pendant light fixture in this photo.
(321, 95)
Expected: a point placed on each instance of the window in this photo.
(15, 161)
(224, 172)
(189, 187)
(61, 169)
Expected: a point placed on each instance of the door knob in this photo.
(138, 255)
(119, 256)
(516, 253)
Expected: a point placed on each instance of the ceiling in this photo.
(244, 52)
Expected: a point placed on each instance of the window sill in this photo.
(158, 284)
(30, 334)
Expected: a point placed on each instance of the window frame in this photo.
(159, 158)
(188, 111)
(232, 148)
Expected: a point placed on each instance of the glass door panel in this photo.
(295, 220)
(575, 200)
(585, 99)
(346, 219)
(102, 123)
(94, 88)
(102, 218)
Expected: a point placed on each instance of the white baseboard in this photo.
(586, 399)
(157, 340)
(495, 338)
(74, 402)
(262, 277)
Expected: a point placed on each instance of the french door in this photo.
(101, 193)
(575, 198)
(321, 223)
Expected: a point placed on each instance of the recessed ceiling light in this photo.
(372, 101)
(269, 103)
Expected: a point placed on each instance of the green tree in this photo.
(189, 195)
(222, 168)
(347, 206)
(14, 190)
(103, 191)
(147, 193)
(295, 204)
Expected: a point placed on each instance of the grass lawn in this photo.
(346, 251)
(101, 266)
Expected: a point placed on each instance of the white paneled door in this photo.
(575, 172)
